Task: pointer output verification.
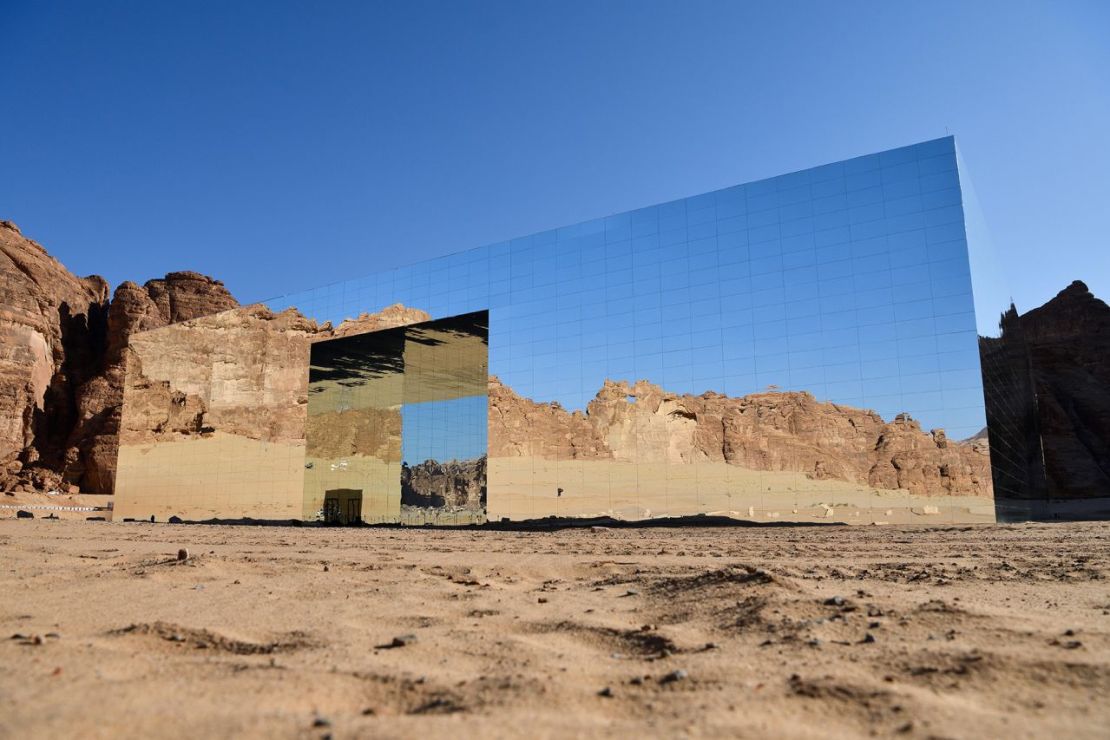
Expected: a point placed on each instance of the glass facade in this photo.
(802, 348)
(397, 424)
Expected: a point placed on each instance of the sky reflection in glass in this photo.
(850, 281)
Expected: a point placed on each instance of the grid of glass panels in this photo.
(396, 428)
(850, 282)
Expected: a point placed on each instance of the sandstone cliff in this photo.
(61, 351)
(786, 431)
(53, 329)
(243, 372)
(389, 317)
(240, 371)
(452, 485)
(1069, 346)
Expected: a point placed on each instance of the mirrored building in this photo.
(802, 348)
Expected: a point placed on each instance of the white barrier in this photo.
(52, 507)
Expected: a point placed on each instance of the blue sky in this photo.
(444, 430)
(283, 145)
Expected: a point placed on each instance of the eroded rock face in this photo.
(62, 346)
(520, 427)
(242, 372)
(786, 431)
(52, 334)
(388, 318)
(1069, 343)
(180, 296)
(452, 485)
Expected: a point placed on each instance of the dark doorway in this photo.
(343, 506)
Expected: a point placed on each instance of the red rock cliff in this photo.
(61, 351)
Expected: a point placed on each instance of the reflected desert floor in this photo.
(531, 488)
(969, 631)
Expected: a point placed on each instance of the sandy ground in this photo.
(970, 631)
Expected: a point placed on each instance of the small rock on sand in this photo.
(183, 554)
(673, 676)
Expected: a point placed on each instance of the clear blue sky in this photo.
(279, 145)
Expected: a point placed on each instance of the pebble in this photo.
(636, 681)
(182, 554)
(868, 638)
(677, 675)
(834, 601)
(631, 592)
(402, 640)
(542, 600)
(321, 722)
(606, 692)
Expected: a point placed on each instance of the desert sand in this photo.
(969, 631)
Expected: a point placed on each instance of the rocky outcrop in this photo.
(388, 318)
(521, 427)
(454, 485)
(787, 431)
(1069, 342)
(53, 328)
(62, 345)
(242, 372)
(180, 296)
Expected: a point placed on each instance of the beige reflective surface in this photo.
(213, 419)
